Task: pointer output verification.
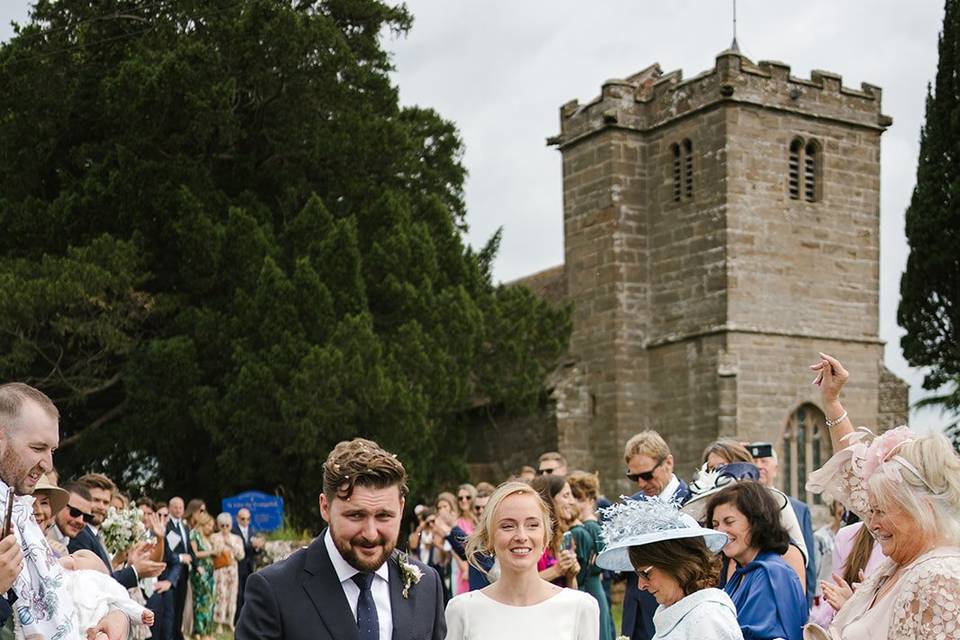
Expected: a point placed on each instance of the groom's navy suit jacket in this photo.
(300, 598)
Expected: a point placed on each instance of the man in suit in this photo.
(29, 434)
(251, 547)
(766, 460)
(349, 584)
(178, 542)
(650, 465)
(139, 565)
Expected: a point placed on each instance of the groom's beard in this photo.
(347, 549)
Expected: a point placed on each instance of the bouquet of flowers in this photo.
(122, 529)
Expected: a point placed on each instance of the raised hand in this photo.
(838, 593)
(831, 376)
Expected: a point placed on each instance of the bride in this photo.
(514, 529)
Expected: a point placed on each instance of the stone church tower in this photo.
(719, 232)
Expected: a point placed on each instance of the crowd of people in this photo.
(726, 556)
(69, 563)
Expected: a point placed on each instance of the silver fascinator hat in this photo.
(633, 523)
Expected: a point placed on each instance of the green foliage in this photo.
(930, 287)
(227, 248)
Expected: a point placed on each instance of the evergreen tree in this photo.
(227, 247)
(930, 287)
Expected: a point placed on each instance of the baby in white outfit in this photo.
(94, 592)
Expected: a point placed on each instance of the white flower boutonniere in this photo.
(410, 572)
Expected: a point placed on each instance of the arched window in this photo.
(804, 169)
(811, 171)
(677, 173)
(805, 447)
(793, 179)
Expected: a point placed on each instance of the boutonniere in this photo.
(410, 573)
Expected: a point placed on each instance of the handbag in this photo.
(222, 560)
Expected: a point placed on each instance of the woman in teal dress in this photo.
(201, 578)
(586, 534)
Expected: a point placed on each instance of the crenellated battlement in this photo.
(650, 98)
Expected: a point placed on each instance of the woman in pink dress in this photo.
(467, 520)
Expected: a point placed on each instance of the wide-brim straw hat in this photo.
(634, 523)
(58, 497)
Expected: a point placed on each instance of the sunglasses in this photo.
(463, 498)
(645, 573)
(478, 509)
(541, 472)
(646, 476)
(77, 513)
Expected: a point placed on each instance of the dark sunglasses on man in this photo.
(541, 472)
(77, 513)
(646, 476)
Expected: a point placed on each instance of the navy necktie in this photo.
(367, 622)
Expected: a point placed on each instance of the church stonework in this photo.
(719, 232)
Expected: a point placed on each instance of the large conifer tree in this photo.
(930, 287)
(226, 247)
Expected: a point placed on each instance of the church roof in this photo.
(549, 284)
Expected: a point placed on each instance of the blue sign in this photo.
(266, 511)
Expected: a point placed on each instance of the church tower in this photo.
(719, 232)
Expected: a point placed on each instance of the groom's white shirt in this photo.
(380, 587)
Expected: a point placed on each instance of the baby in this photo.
(94, 592)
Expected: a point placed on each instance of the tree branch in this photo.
(96, 424)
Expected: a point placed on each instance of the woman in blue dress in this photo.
(766, 591)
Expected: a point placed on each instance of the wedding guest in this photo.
(650, 465)
(675, 560)
(527, 473)
(48, 499)
(552, 462)
(558, 562)
(855, 557)
(201, 578)
(724, 451)
(765, 590)
(178, 541)
(194, 507)
(520, 605)
(588, 543)
(467, 521)
(119, 501)
(906, 488)
(225, 572)
(823, 552)
(765, 457)
(161, 599)
(252, 546)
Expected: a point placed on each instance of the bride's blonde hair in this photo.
(481, 541)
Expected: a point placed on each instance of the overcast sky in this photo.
(500, 69)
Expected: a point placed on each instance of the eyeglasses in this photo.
(463, 498)
(77, 513)
(646, 476)
(478, 509)
(645, 573)
(540, 472)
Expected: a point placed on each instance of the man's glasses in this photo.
(541, 472)
(645, 573)
(77, 513)
(478, 509)
(646, 476)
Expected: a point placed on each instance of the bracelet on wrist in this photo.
(832, 423)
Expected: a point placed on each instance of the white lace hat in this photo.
(633, 523)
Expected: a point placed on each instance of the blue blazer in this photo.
(88, 540)
(639, 606)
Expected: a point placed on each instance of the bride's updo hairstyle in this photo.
(922, 476)
(481, 541)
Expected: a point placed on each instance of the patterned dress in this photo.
(202, 581)
(227, 579)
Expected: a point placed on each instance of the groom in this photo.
(348, 584)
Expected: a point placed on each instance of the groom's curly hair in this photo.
(364, 463)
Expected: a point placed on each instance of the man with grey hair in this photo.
(29, 434)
